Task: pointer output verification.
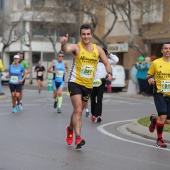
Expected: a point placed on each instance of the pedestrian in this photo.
(99, 87)
(39, 69)
(59, 68)
(80, 82)
(148, 89)
(1, 69)
(16, 77)
(27, 70)
(159, 76)
(140, 74)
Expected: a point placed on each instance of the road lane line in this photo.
(101, 129)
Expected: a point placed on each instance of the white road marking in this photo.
(101, 129)
(120, 102)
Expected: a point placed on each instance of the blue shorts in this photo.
(162, 104)
(57, 85)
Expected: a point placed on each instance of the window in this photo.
(36, 56)
(38, 2)
(48, 56)
(52, 29)
(153, 11)
(66, 3)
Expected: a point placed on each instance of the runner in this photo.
(17, 75)
(39, 69)
(159, 76)
(27, 70)
(80, 83)
(59, 67)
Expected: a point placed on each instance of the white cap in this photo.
(16, 56)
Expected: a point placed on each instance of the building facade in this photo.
(36, 26)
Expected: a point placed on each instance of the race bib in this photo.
(14, 79)
(97, 83)
(59, 74)
(165, 85)
(87, 71)
(40, 73)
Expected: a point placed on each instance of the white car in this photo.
(118, 81)
(3, 77)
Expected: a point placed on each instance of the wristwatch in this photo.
(110, 73)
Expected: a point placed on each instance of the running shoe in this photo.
(14, 110)
(152, 123)
(79, 142)
(69, 137)
(161, 143)
(87, 114)
(55, 104)
(98, 119)
(59, 110)
(19, 107)
(93, 118)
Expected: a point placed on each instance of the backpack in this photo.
(1, 66)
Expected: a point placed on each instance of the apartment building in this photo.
(36, 26)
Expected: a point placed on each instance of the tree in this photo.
(7, 33)
(138, 17)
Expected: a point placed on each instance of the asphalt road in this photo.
(34, 139)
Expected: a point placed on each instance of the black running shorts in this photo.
(75, 88)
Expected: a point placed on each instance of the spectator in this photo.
(140, 75)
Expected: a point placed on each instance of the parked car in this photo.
(3, 77)
(118, 82)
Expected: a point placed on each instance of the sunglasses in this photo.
(61, 56)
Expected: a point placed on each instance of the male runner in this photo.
(80, 82)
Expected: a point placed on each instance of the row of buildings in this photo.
(36, 25)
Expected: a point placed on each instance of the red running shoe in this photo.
(79, 142)
(152, 125)
(69, 137)
(161, 143)
(93, 118)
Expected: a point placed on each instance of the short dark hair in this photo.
(86, 27)
(168, 42)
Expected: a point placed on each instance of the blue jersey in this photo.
(15, 73)
(60, 67)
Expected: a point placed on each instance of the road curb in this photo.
(143, 131)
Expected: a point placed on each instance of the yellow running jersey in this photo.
(161, 70)
(84, 66)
